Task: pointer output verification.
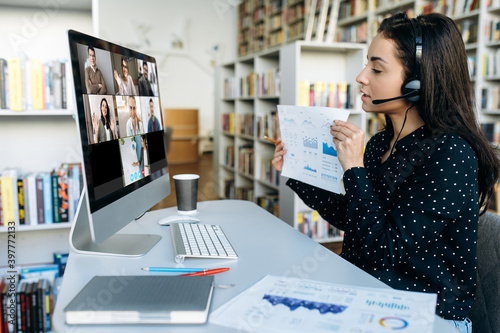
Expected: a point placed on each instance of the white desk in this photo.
(264, 243)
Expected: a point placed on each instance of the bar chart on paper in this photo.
(311, 156)
(284, 304)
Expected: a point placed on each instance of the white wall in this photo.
(186, 75)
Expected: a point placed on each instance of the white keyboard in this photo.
(194, 240)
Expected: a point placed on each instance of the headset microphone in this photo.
(407, 95)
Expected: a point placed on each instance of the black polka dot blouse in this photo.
(410, 221)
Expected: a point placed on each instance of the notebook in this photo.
(142, 299)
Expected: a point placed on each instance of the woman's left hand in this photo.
(349, 141)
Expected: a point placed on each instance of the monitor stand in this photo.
(80, 238)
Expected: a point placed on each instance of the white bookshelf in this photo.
(39, 140)
(300, 60)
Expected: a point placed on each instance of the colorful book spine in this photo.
(55, 197)
(15, 84)
(7, 199)
(37, 84)
(47, 199)
(20, 200)
(39, 199)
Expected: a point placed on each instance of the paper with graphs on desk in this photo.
(283, 304)
(311, 156)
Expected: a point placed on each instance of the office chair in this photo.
(485, 313)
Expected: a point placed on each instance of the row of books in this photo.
(246, 159)
(356, 33)
(295, 31)
(490, 98)
(28, 298)
(231, 191)
(310, 223)
(469, 30)
(245, 124)
(33, 84)
(352, 8)
(451, 8)
(244, 193)
(491, 131)
(265, 124)
(375, 124)
(40, 198)
(248, 85)
(229, 156)
(491, 64)
(268, 125)
(330, 94)
(228, 122)
(493, 30)
(254, 84)
(267, 171)
(270, 202)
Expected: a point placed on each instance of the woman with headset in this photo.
(413, 197)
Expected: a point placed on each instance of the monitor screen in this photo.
(121, 132)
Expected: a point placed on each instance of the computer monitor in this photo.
(125, 167)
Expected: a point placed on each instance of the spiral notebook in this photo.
(142, 299)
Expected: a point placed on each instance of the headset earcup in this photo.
(410, 86)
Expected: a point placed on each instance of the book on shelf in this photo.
(249, 85)
(229, 156)
(40, 197)
(230, 88)
(491, 131)
(34, 84)
(267, 125)
(229, 189)
(269, 83)
(267, 172)
(228, 122)
(32, 292)
(330, 94)
(246, 159)
(10, 203)
(244, 193)
(245, 124)
(310, 223)
(270, 202)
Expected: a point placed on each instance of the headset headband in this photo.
(418, 47)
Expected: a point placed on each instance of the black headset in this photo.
(411, 87)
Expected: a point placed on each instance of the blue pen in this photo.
(173, 269)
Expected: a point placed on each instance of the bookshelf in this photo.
(356, 22)
(244, 107)
(264, 24)
(39, 140)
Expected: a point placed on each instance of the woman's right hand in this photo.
(279, 151)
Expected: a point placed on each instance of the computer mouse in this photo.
(178, 219)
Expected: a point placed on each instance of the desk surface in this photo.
(264, 243)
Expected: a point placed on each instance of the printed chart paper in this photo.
(311, 156)
(281, 304)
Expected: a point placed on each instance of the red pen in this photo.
(207, 272)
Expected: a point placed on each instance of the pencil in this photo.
(273, 141)
(173, 269)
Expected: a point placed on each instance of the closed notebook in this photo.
(142, 299)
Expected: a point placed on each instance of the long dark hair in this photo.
(446, 98)
(108, 116)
